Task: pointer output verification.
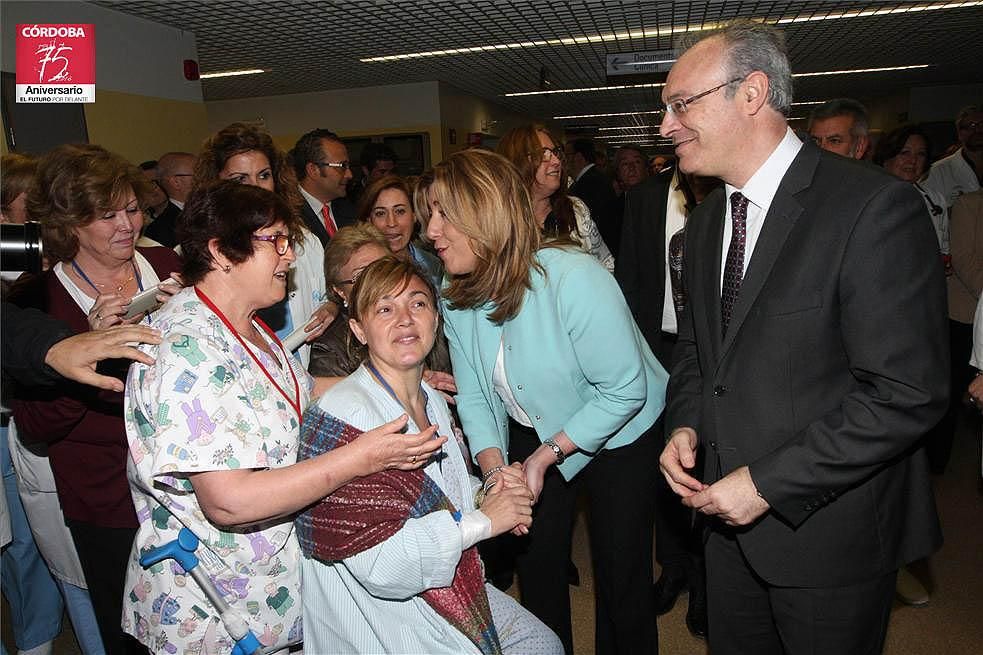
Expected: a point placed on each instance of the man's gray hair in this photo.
(752, 46)
(843, 107)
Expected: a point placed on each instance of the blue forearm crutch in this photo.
(182, 550)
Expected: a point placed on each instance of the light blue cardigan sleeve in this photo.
(604, 338)
(473, 400)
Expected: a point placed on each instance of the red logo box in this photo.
(56, 63)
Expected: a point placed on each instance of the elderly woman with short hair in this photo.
(86, 200)
(213, 427)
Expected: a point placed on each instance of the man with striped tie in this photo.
(810, 360)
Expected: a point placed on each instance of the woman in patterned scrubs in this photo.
(213, 428)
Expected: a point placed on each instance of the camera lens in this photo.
(20, 247)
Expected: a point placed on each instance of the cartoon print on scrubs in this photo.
(207, 406)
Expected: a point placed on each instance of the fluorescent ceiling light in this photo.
(620, 113)
(669, 31)
(850, 71)
(617, 87)
(251, 71)
(909, 9)
(629, 127)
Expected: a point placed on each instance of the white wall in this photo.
(133, 55)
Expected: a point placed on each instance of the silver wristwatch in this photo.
(557, 451)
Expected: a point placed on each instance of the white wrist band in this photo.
(475, 527)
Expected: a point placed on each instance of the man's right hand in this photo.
(678, 457)
(76, 357)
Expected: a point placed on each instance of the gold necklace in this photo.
(98, 287)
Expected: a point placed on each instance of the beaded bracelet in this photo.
(491, 472)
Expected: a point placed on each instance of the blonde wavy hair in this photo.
(482, 194)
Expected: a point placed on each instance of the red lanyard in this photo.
(286, 358)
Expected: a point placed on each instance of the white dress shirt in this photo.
(760, 190)
(675, 220)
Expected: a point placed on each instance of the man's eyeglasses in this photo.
(557, 152)
(680, 105)
(343, 165)
(971, 126)
(281, 242)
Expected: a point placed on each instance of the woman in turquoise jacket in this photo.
(555, 379)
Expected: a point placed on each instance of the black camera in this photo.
(20, 247)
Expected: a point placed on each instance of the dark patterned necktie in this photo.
(734, 267)
(676, 246)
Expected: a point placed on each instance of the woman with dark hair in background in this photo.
(86, 200)
(386, 203)
(247, 155)
(904, 153)
(561, 218)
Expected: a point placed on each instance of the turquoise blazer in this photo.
(574, 358)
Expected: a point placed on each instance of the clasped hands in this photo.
(733, 499)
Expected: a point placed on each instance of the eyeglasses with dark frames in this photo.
(281, 242)
(343, 165)
(970, 126)
(681, 105)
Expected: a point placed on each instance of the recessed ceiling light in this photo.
(669, 31)
(251, 71)
(618, 87)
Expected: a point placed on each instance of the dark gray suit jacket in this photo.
(594, 188)
(641, 266)
(834, 365)
(341, 208)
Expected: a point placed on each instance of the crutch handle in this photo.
(182, 550)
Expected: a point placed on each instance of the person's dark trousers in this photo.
(938, 442)
(620, 486)
(104, 554)
(750, 617)
(620, 489)
(541, 557)
(678, 543)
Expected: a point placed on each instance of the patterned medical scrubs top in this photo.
(206, 405)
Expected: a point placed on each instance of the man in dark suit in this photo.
(320, 160)
(592, 186)
(175, 171)
(809, 363)
(655, 214)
